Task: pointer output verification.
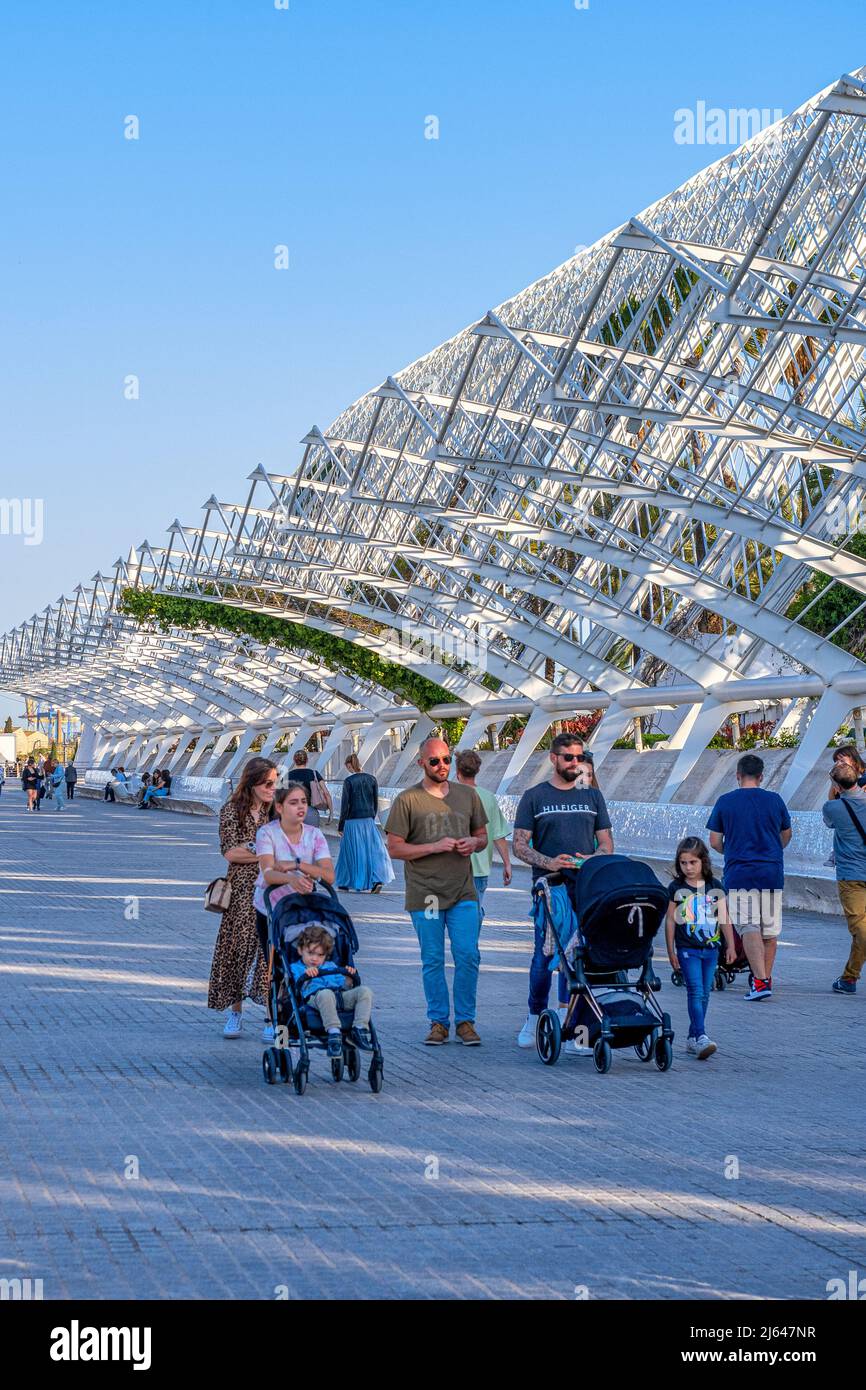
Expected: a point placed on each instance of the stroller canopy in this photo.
(608, 876)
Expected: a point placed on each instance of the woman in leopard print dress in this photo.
(239, 970)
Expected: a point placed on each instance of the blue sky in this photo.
(260, 126)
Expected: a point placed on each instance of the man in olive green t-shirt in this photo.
(435, 828)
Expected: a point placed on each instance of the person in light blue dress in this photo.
(363, 865)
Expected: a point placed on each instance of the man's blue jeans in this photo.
(539, 971)
(698, 969)
(462, 925)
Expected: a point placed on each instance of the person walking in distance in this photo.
(434, 828)
(846, 815)
(309, 778)
(468, 767)
(362, 864)
(751, 827)
(559, 824)
(30, 784)
(71, 779)
(58, 777)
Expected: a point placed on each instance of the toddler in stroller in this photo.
(316, 995)
(619, 905)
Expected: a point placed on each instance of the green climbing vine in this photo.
(173, 610)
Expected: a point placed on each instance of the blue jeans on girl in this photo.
(698, 969)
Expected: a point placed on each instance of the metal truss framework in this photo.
(613, 485)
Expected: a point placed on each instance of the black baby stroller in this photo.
(620, 905)
(298, 1026)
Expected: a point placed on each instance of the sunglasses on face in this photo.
(574, 757)
(434, 762)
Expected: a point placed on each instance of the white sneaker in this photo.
(234, 1025)
(692, 1046)
(580, 1049)
(526, 1036)
(705, 1048)
(268, 1033)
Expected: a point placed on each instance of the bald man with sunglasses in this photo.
(434, 828)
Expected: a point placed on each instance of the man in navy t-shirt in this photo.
(752, 826)
(558, 824)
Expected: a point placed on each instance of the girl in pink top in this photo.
(293, 856)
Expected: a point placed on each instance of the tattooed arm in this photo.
(524, 851)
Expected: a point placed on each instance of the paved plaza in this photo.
(143, 1156)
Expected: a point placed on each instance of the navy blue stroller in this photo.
(298, 1026)
(620, 905)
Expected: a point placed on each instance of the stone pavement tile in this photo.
(477, 1173)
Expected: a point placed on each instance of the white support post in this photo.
(199, 751)
(610, 727)
(222, 744)
(183, 745)
(370, 740)
(829, 712)
(137, 754)
(330, 747)
(705, 721)
(85, 754)
(794, 718)
(298, 743)
(422, 728)
(269, 746)
(476, 725)
(240, 752)
(537, 725)
(163, 748)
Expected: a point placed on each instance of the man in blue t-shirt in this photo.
(752, 827)
(558, 824)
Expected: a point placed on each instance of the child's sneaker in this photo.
(705, 1048)
(363, 1038)
(760, 989)
(335, 1043)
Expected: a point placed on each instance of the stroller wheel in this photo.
(602, 1055)
(353, 1063)
(337, 1068)
(664, 1053)
(299, 1080)
(375, 1076)
(646, 1046)
(270, 1065)
(284, 1059)
(548, 1037)
(721, 980)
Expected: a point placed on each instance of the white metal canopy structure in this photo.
(612, 487)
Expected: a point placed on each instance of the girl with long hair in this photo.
(696, 922)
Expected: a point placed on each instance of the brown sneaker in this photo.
(438, 1034)
(467, 1035)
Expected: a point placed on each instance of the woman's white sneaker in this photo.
(234, 1025)
(692, 1046)
(526, 1036)
(268, 1033)
(705, 1048)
